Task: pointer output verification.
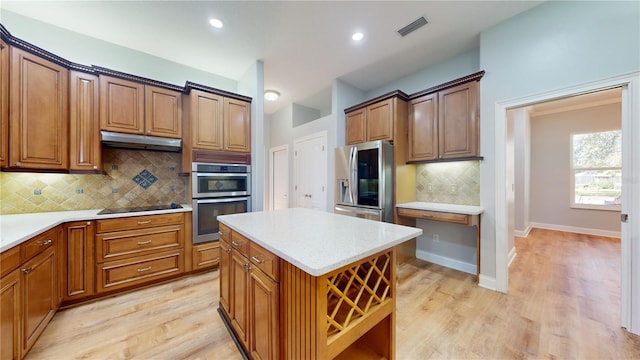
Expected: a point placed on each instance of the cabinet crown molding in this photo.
(98, 70)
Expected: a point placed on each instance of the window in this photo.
(596, 170)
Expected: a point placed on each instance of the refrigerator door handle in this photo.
(353, 158)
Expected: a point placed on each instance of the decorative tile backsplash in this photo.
(449, 182)
(133, 178)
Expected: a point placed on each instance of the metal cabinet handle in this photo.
(144, 242)
(88, 222)
(246, 267)
(144, 222)
(235, 243)
(45, 243)
(221, 233)
(18, 163)
(27, 270)
(227, 250)
(144, 269)
(257, 260)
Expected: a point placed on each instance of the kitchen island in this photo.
(308, 284)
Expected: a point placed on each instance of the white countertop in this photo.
(450, 208)
(316, 241)
(15, 229)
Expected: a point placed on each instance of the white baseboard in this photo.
(577, 230)
(512, 256)
(488, 283)
(523, 234)
(447, 262)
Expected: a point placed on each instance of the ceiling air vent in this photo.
(413, 26)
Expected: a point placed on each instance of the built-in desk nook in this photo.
(459, 214)
(308, 284)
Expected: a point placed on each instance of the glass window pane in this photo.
(598, 187)
(601, 149)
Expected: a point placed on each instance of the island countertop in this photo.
(315, 241)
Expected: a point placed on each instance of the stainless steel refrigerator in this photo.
(364, 180)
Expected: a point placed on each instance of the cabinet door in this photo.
(356, 127)
(458, 121)
(121, 105)
(237, 125)
(163, 112)
(239, 296)
(39, 278)
(10, 315)
(79, 273)
(263, 305)
(380, 121)
(84, 127)
(225, 275)
(39, 114)
(4, 104)
(423, 128)
(206, 111)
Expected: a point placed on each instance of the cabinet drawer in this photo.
(225, 233)
(138, 222)
(240, 243)
(435, 216)
(124, 244)
(206, 255)
(139, 270)
(9, 260)
(264, 259)
(38, 244)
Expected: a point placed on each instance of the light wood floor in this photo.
(563, 302)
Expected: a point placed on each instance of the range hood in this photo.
(142, 142)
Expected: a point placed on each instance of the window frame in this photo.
(572, 177)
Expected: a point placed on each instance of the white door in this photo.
(310, 171)
(279, 177)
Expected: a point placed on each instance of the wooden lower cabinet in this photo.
(10, 315)
(40, 282)
(225, 276)
(249, 294)
(139, 270)
(78, 275)
(263, 316)
(239, 299)
(206, 255)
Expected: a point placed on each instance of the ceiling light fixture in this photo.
(357, 36)
(216, 23)
(271, 95)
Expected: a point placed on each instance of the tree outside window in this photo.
(597, 170)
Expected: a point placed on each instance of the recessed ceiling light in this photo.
(357, 36)
(271, 95)
(216, 23)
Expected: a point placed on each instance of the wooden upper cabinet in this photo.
(206, 114)
(237, 125)
(382, 118)
(121, 105)
(163, 112)
(4, 104)
(39, 113)
(356, 127)
(458, 121)
(380, 121)
(84, 123)
(423, 128)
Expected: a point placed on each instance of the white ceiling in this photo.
(304, 44)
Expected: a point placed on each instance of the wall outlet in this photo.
(436, 237)
(429, 188)
(453, 188)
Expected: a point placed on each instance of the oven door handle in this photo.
(222, 174)
(221, 200)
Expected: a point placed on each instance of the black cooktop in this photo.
(139, 208)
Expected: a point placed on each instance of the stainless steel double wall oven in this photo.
(218, 189)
